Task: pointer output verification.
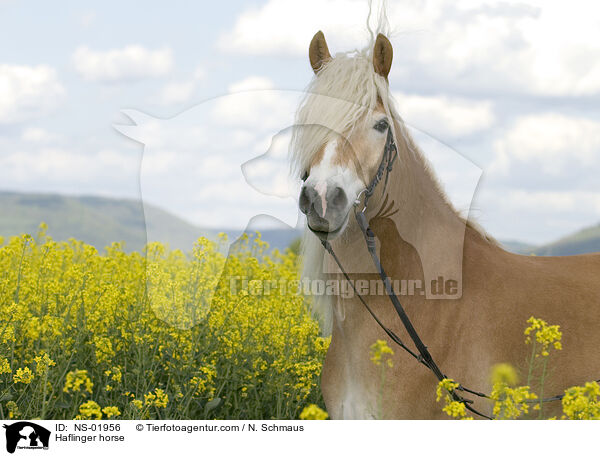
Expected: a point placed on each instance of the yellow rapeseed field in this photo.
(164, 334)
(157, 334)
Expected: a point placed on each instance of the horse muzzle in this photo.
(326, 209)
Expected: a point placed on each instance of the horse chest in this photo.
(349, 380)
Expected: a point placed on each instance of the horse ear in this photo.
(382, 56)
(318, 53)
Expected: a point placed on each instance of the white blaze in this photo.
(321, 189)
(326, 174)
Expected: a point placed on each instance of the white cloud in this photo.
(448, 117)
(543, 180)
(564, 47)
(254, 104)
(286, 26)
(181, 91)
(541, 47)
(69, 170)
(199, 73)
(39, 136)
(550, 142)
(130, 63)
(538, 216)
(27, 92)
(251, 83)
(557, 201)
(177, 92)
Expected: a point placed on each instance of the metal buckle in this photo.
(357, 201)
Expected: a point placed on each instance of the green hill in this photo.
(584, 241)
(518, 247)
(101, 221)
(96, 220)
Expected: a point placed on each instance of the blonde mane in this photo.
(336, 101)
(346, 89)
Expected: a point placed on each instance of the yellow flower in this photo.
(313, 412)
(43, 362)
(13, 410)
(545, 335)
(447, 385)
(158, 398)
(504, 373)
(455, 409)
(510, 402)
(111, 411)
(203, 383)
(5, 366)
(137, 404)
(115, 374)
(89, 410)
(23, 375)
(582, 402)
(104, 349)
(380, 351)
(78, 381)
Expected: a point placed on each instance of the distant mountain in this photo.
(518, 247)
(101, 221)
(586, 240)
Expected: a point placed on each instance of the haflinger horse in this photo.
(345, 124)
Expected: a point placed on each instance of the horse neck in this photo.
(423, 209)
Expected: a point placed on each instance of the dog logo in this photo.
(26, 435)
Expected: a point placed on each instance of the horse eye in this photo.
(381, 126)
(305, 176)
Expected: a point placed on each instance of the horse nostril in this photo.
(339, 198)
(307, 197)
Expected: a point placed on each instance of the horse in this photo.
(343, 126)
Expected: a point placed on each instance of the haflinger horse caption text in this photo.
(262, 437)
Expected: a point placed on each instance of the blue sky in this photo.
(512, 86)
